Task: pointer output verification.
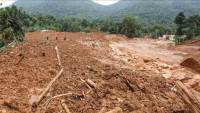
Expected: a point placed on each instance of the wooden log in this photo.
(188, 97)
(41, 96)
(66, 109)
(116, 110)
(58, 56)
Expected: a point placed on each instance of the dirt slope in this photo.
(85, 56)
(192, 62)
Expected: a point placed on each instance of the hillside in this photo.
(149, 11)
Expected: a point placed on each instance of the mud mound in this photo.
(192, 62)
(132, 91)
(116, 37)
(195, 42)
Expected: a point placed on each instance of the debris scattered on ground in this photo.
(103, 73)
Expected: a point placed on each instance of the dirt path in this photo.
(158, 56)
(145, 54)
(149, 49)
(153, 55)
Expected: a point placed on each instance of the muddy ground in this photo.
(149, 66)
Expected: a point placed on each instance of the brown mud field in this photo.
(136, 76)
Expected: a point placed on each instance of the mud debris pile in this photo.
(112, 88)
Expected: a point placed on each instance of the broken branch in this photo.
(65, 107)
(91, 83)
(55, 97)
(21, 58)
(58, 56)
(86, 84)
(36, 102)
(127, 82)
(188, 97)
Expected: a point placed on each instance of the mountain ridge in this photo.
(149, 11)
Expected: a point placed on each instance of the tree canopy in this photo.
(189, 26)
(12, 23)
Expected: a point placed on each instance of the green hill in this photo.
(148, 11)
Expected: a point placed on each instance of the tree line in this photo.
(187, 27)
(14, 22)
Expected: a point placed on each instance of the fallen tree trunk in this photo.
(39, 99)
(188, 97)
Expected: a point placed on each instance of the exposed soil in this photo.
(136, 75)
(192, 62)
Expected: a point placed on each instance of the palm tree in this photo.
(12, 22)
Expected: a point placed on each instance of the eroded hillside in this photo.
(137, 76)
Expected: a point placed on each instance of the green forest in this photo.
(149, 12)
(14, 22)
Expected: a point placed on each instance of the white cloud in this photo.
(105, 2)
(5, 3)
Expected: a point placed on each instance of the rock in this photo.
(167, 74)
(165, 66)
(192, 63)
(129, 60)
(33, 99)
(11, 104)
(147, 60)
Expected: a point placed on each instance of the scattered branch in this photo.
(55, 97)
(86, 84)
(188, 97)
(21, 58)
(58, 56)
(65, 106)
(91, 83)
(39, 99)
(127, 82)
